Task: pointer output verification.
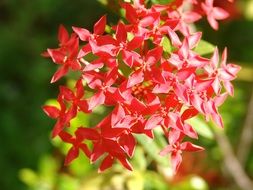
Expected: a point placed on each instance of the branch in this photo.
(246, 136)
(232, 163)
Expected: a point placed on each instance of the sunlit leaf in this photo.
(152, 149)
(71, 84)
(191, 183)
(201, 127)
(155, 181)
(52, 102)
(198, 183)
(48, 167)
(68, 183)
(166, 45)
(80, 120)
(204, 48)
(161, 1)
(94, 181)
(159, 138)
(28, 176)
(103, 2)
(80, 166)
(136, 180)
(248, 10)
(139, 161)
(63, 147)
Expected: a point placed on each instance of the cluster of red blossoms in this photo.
(146, 85)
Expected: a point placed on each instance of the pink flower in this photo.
(225, 74)
(213, 13)
(185, 57)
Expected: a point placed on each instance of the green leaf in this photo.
(139, 161)
(108, 29)
(159, 137)
(204, 48)
(201, 127)
(94, 180)
(63, 147)
(48, 167)
(52, 102)
(67, 182)
(191, 183)
(103, 2)
(123, 68)
(162, 2)
(245, 74)
(198, 183)
(81, 119)
(130, 36)
(28, 176)
(152, 149)
(80, 166)
(71, 84)
(166, 45)
(135, 180)
(154, 180)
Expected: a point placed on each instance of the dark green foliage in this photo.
(26, 29)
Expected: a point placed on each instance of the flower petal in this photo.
(72, 154)
(51, 111)
(106, 163)
(99, 27)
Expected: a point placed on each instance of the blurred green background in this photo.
(30, 160)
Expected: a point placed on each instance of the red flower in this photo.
(147, 68)
(98, 29)
(149, 75)
(77, 143)
(116, 143)
(66, 54)
(63, 114)
(101, 83)
(176, 148)
(121, 43)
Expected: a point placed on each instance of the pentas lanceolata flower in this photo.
(146, 85)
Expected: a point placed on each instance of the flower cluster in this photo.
(147, 84)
